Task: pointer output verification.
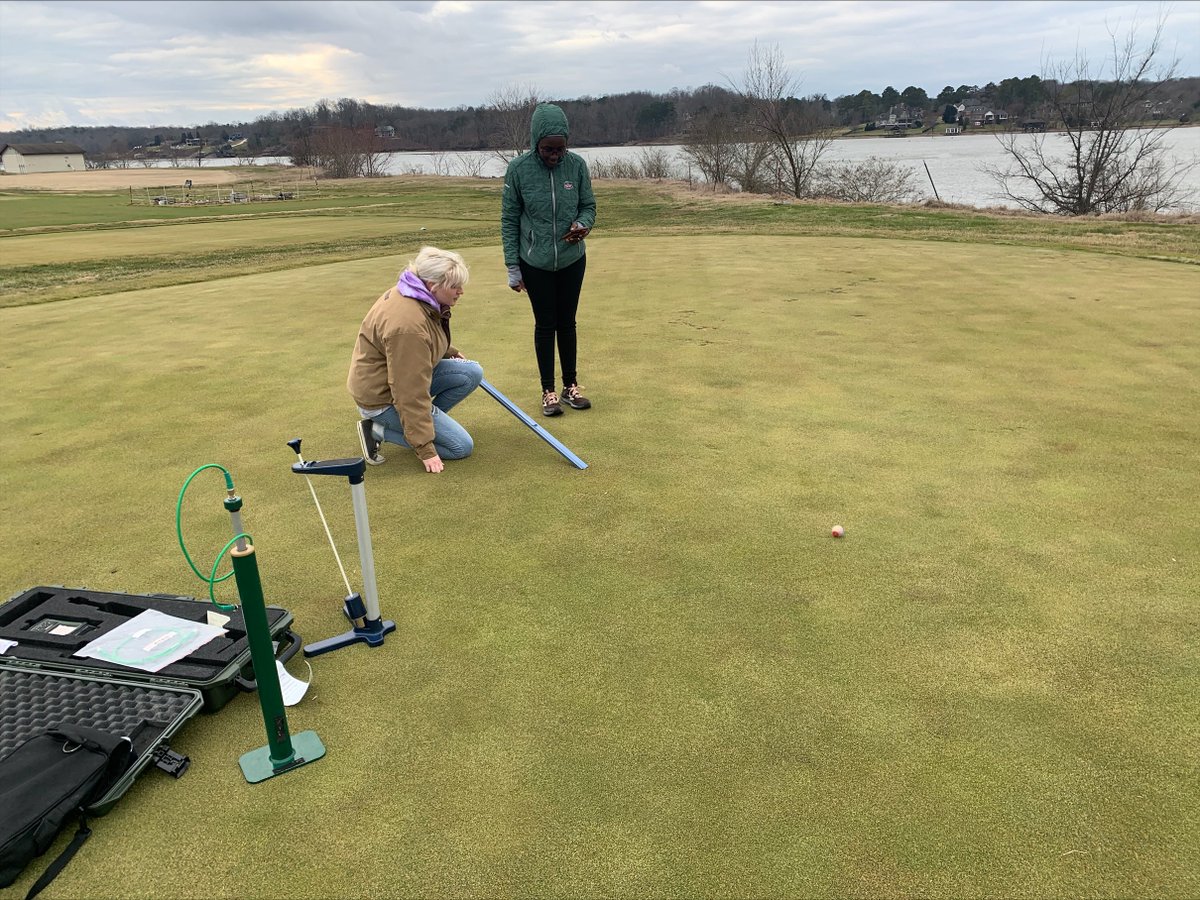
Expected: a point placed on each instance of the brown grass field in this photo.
(115, 179)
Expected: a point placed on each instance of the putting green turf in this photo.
(661, 676)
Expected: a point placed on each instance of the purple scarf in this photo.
(410, 285)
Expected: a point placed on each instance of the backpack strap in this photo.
(53, 870)
(117, 752)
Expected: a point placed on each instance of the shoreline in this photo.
(208, 178)
(979, 131)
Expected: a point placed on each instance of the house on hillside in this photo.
(972, 112)
(21, 159)
(898, 117)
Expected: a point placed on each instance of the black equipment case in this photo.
(42, 685)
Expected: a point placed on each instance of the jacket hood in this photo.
(411, 285)
(547, 119)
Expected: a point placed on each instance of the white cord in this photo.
(332, 546)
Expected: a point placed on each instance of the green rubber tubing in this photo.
(211, 578)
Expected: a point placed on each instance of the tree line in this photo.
(612, 120)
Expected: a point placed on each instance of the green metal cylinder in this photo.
(258, 633)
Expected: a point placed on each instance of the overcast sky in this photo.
(176, 62)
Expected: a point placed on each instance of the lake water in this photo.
(955, 161)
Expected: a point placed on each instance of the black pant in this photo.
(554, 297)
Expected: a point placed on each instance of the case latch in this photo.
(174, 764)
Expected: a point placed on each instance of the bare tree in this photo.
(873, 180)
(1108, 157)
(750, 168)
(471, 164)
(726, 150)
(512, 106)
(614, 168)
(655, 162)
(302, 147)
(710, 145)
(344, 152)
(792, 126)
(375, 157)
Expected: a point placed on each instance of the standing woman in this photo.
(547, 210)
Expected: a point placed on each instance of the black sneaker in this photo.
(370, 446)
(550, 405)
(574, 399)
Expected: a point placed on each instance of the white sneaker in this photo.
(368, 443)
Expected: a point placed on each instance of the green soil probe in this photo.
(284, 751)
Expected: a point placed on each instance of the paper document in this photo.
(292, 688)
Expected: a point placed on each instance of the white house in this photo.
(22, 159)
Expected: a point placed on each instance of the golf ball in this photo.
(838, 531)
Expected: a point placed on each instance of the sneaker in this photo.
(574, 398)
(550, 406)
(368, 443)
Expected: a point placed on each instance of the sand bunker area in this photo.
(119, 179)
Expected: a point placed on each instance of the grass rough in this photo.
(361, 220)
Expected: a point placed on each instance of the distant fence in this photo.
(218, 195)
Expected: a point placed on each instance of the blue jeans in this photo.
(453, 380)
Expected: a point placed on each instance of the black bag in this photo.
(46, 780)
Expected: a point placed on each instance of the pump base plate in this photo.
(256, 765)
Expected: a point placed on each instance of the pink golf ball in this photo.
(838, 531)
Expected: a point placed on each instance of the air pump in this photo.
(369, 626)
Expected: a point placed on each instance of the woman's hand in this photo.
(515, 281)
(576, 233)
(434, 464)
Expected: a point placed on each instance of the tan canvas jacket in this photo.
(399, 343)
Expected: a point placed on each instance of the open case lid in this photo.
(50, 624)
(148, 714)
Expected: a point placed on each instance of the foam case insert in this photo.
(50, 624)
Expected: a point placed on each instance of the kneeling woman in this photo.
(403, 358)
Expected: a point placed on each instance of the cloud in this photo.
(135, 63)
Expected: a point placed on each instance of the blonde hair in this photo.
(443, 267)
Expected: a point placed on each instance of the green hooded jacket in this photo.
(540, 204)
